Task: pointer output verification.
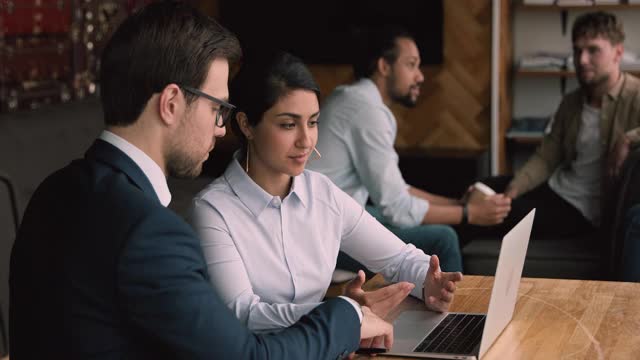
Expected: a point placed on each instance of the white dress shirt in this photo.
(149, 167)
(357, 132)
(271, 259)
(158, 181)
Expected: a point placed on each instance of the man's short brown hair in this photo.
(165, 42)
(599, 23)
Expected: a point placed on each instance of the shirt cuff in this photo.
(355, 305)
(418, 209)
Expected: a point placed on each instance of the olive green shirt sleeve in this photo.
(547, 156)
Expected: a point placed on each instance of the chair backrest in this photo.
(628, 194)
(9, 220)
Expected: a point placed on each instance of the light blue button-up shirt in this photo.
(271, 259)
(357, 132)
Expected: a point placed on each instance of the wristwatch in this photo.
(465, 215)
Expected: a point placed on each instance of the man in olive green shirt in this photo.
(591, 134)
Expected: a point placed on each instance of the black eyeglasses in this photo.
(224, 111)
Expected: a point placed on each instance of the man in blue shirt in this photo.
(100, 268)
(356, 138)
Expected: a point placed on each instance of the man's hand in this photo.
(439, 286)
(374, 331)
(512, 192)
(465, 198)
(381, 301)
(618, 156)
(489, 210)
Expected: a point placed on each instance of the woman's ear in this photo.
(243, 124)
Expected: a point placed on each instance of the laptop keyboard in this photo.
(456, 334)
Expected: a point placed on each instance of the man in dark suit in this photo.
(101, 269)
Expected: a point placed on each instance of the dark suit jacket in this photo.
(101, 270)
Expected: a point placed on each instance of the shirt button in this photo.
(276, 202)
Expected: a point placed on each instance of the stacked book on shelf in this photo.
(574, 2)
(586, 2)
(630, 62)
(549, 61)
(528, 127)
(578, 2)
(544, 61)
(538, 2)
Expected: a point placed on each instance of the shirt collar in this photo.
(617, 88)
(255, 198)
(149, 167)
(299, 188)
(370, 89)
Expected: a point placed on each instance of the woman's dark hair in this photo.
(164, 42)
(262, 80)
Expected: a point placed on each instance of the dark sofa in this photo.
(594, 257)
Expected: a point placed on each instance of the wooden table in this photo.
(554, 319)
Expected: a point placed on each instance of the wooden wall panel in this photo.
(453, 110)
(505, 82)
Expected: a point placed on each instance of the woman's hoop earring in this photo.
(246, 160)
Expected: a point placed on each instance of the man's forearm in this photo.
(443, 214)
(442, 210)
(432, 198)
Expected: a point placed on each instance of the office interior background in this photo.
(495, 70)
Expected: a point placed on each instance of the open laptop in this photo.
(427, 334)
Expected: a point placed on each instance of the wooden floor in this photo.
(555, 319)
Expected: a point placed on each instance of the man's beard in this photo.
(181, 166)
(400, 98)
(179, 163)
(405, 100)
(594, 82)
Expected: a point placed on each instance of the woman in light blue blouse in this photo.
(271, 230)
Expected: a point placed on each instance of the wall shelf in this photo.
(558, 73)
(579, 7)
(526, 139)
(564, 10)
(548, 32)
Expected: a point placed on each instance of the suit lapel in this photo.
(104, 152)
